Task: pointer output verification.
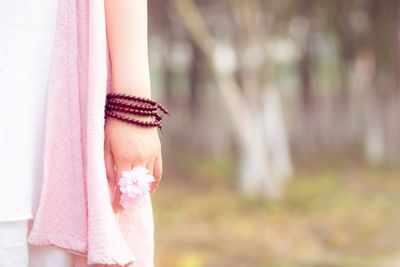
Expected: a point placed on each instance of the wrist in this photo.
(118, 105)
(141, 93)
(137, 88)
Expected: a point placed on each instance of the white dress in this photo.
(27, 29)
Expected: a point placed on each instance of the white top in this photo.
(27, 30)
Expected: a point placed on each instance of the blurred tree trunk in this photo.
(382, 137)
(305, 79)
(198, 135)
(344, 104)
(168, 80)
(305, 69)
(276, 134)
(203, 116)
(195, 80)
(259, 171)
(375, 136)
(393, 99)
(345, 46)
(375, 143)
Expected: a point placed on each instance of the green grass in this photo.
(327, 218)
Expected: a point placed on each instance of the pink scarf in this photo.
(75, 211)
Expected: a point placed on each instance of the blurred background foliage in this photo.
(283, 149)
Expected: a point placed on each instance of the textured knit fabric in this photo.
(75, 211)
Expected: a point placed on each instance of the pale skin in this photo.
(126, 145)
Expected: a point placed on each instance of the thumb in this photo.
(157, 173)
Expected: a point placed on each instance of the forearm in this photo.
(126, 22)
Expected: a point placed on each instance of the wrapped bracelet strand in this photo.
(134, 111)
(138, 99)
(126, 104)
(120, 117)
(117, 103)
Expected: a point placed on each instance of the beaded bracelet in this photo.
(123, 103)
(131, 110)
(137, 98)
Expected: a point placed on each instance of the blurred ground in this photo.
(333, 214)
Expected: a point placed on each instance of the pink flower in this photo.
(133, 184)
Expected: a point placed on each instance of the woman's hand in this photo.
(126, 146)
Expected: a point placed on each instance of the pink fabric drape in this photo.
(75, 211)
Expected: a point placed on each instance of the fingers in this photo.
(120, 167)
(157, 173)
(154, 166)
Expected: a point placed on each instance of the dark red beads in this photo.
(117, 103)
(155, 123)
(126, 104)
(138, 99)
